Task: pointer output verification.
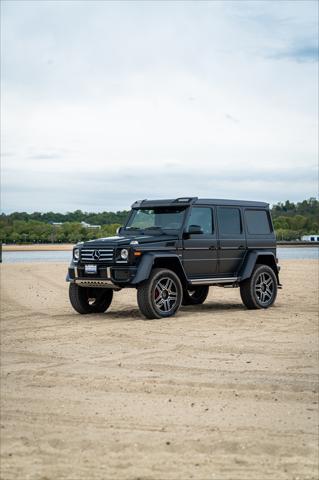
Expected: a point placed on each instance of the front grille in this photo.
(104, 255)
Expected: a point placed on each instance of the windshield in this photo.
(159, 218)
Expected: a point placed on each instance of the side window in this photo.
(257, 222)
(202, 217)
(229, 221)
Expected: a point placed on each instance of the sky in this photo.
(104, 103)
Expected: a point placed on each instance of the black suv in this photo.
(171, 251)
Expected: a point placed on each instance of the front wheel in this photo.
(195, 295)
(260, 290)
(90, 300)
(161, 295)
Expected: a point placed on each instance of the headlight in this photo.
(124, 254)
(76, 254)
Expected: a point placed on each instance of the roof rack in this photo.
(186, 201)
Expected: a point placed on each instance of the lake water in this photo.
(40, 256)
(298, 253)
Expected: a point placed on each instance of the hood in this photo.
(125, 240)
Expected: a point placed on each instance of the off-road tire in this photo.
(90, 300)
(195, 295)
(258, 294)
(149, 296)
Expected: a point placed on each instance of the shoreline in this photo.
(69, 246)
(38, 247)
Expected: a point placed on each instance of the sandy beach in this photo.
(218, 392)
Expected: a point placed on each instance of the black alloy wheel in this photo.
(195, 295)
(264, 288)
(161, 295)
(90, 300)
(260, 290)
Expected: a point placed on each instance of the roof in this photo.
(222, 201)
(197, 201)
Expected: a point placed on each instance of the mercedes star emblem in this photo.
(96, 254)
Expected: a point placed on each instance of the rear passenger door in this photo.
(232, 240)
(200, 250)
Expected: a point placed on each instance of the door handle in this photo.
(241, 247)
(212, 247)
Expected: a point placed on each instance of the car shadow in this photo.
(133, 314)
(213, 306)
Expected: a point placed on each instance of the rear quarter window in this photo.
(257, 222)
(229, 220)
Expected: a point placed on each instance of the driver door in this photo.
(200, 250)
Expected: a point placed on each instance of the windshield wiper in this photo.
(146, 229)
(134, 229)
(154, 228)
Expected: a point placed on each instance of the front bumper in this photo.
(114, 277)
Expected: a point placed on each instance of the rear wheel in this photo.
(260, 290)
(161, 295)
(195, 295)
(90, 300)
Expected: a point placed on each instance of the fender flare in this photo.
(147, 262)
(252, 259)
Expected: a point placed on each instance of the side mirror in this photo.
(194, 230)
(118, 230)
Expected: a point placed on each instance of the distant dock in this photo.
(297, 244)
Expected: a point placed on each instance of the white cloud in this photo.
(146, 94)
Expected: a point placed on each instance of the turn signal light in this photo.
(137, 254)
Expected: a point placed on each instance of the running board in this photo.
(211, 281)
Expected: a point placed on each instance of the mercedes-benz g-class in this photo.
(172, 251)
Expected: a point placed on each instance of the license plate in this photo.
(90, 269)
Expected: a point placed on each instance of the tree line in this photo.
(291, 221)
